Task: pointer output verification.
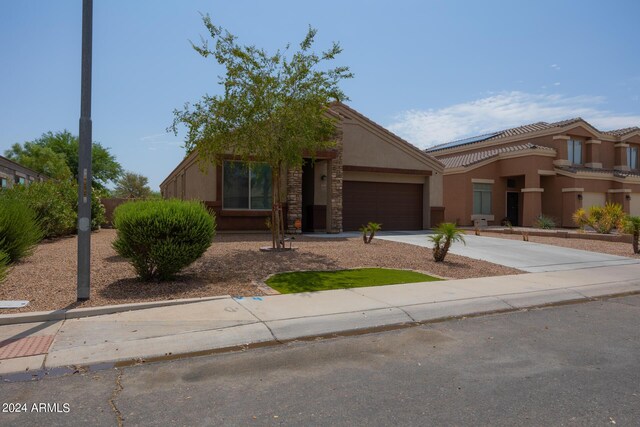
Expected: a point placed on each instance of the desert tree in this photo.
(131, 185)
(272, 108)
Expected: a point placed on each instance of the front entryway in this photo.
(513, 201)
(314, 196)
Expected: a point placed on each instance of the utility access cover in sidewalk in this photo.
(28, 346)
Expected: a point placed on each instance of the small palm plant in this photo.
(369, 231)
(631, 225)
(446, 234)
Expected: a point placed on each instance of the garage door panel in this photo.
(634, 205)
(397, 206)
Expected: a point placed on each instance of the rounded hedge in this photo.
(19, 229)
(4, 265)
(161, 237)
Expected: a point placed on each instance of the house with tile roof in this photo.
(516, 175)
(370, 175)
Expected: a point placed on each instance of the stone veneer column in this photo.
(294, 198)
(334, 199)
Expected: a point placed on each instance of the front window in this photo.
(632, 157)
(3, 183)
(20, 180)
(482, 199)
(246, 187)
(574, 149)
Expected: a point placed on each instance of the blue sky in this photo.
(430, 71)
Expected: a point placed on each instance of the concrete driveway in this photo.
(526, 256)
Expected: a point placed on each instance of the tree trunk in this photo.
(371, 237)
(277, 223)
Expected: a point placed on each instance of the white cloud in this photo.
(164, 140)
(425, 128)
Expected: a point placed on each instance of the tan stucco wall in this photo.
(436, 189)
(363, 147)
(199, 184)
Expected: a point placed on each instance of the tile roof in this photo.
(468, 159)
(519, 130)
(614, 172)
(621, 132)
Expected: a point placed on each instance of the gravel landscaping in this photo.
(230, 267)
(611, 248)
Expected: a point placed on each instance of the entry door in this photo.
(512, 207)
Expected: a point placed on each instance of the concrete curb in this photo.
(76, 313)
(445, 311)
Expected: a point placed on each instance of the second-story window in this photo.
(632, 157)
(574, 150)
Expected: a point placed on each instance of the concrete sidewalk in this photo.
(234, 323)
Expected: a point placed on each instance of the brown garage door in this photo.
(395, 206)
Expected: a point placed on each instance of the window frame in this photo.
(572, 143)
(630, 155)
(249, 178)
(483, 189)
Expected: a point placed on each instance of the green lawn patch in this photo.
(309, 281)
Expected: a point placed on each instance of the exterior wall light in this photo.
(628, 197)
(579, 196)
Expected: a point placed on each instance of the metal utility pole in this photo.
(84, 163)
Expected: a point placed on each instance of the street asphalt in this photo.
(576, 364)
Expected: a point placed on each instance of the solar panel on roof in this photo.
(466, 141)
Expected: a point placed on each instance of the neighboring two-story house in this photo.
(552, 169)
(12, 173)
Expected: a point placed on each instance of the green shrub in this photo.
(19, 229)
(53, 203)
(56, 205)
(98, 216)
(4, 265)
(161, 237)
(545, 222)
